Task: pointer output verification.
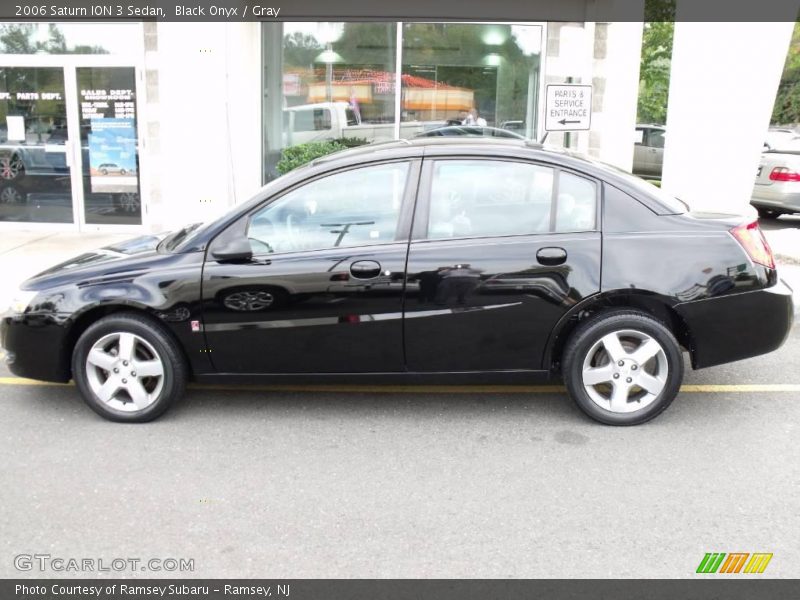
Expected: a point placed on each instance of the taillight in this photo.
(784, 174)
(754, 243)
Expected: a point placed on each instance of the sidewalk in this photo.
(24, 254)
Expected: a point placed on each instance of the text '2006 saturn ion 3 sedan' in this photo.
(426, 261)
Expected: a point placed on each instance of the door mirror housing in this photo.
(236, 249)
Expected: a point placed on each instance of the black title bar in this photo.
(398, 10)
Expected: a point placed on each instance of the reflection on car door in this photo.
(501, 250)
(324, 291)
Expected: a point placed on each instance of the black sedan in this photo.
(426, 261)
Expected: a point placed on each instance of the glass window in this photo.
(577, 204)
(69, 38)
(480, 75)
(352, 208)
(476, 198)
(34, 173)
(483, 78)
(109, 145)
(656, 138)
(330, 81)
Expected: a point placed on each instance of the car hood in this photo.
(130, 255)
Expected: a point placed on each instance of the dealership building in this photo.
(143, 126)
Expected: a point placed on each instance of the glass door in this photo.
(35, 162)
(109, 150)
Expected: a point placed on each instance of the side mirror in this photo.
(235, 249)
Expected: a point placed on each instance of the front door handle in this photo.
(551, 256)
(365, 269)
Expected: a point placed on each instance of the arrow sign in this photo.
(568, 107)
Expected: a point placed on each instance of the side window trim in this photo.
(419, 231)
(404, 218)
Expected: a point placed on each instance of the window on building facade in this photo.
(68, 38)
(338, 81)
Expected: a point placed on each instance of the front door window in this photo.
(359, 207)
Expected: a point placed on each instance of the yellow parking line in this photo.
(449, 389)
(22, 381)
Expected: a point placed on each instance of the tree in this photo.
(654, 71)
(787, 100)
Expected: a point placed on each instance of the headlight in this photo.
(21, 300)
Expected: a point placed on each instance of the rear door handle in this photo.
(365, 269)
(551, 256)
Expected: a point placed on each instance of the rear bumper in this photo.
(769, 196)
(738, 326)
(34, 347)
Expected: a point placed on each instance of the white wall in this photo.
(209, 115)
(722, 89)
(620, 70)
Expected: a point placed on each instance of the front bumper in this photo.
(737, 326)
(35, 346)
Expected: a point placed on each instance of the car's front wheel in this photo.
(622, 367)
(127, 368)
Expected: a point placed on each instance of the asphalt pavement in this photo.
(415, 484)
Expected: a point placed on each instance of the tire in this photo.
(640, 389)
(114, 395)
(12, 168)
(768, 213)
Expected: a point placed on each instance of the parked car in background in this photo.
(648, 150)
(777, 187)
(335, 120)
(471, 131)
(515, 125)
(779, 137)
(429, 260)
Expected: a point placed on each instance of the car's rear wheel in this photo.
(622, 367)
(768, 213)
(127, 368)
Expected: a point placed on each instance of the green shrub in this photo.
(296, 156)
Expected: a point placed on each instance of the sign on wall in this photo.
(568, 107)
(112, 156)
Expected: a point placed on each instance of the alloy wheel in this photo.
(625, 371)
(10, 167)
(125, 372)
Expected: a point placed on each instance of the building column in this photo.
(723, 81)
(209, 114)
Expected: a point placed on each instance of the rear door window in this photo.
(485, 198)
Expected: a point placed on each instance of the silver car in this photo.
(777, 187)
(648, 150)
